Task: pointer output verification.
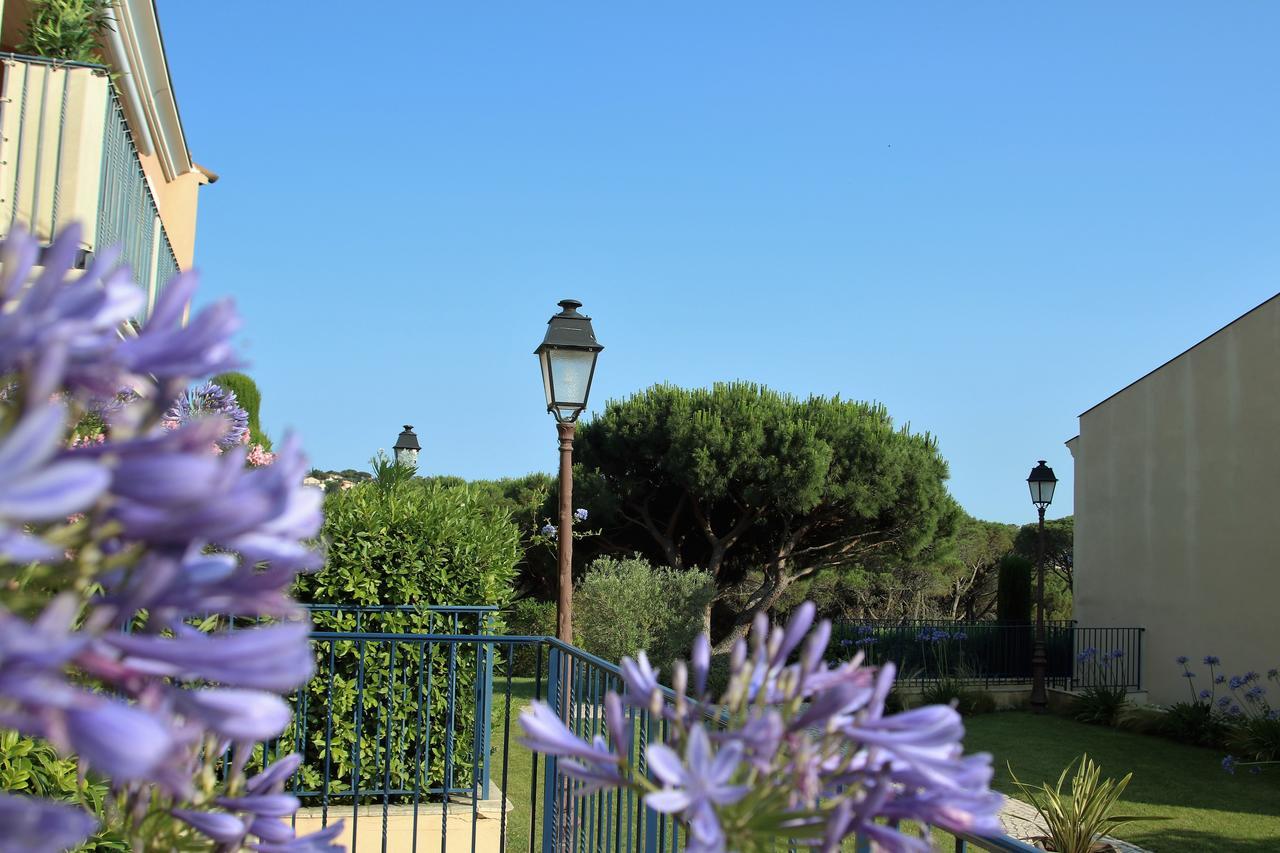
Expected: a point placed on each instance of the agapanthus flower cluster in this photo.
(149, 529)
(211, 399)
(793, 751)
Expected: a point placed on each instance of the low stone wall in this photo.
(436, 831)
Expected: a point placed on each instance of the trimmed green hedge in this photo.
(411, 544)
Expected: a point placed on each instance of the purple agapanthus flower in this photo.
(790, 722)
(170, 349)
(58, 332)
(163, 530)
(1182, 659)
(212, 399)
(39, 826)
(1229, 764)
(37, 484)
(1211, 660)
(695, 786)
(275, 658)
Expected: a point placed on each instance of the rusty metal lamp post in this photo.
(1042, 483)
(568, 357)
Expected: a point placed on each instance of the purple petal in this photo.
(274, 777)
(118, 740)
(55, 492)
(266, 805)
(237, 715)
(219, 826)
(41, 826)
(669, 801)
(665, 764)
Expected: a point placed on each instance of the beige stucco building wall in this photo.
(1177, 507)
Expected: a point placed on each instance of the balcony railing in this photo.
(67, 154)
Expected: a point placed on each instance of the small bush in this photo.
(33, 768)
(1195, 723)
(968, 701)
(250, 399)
(531, 618)
(625, 606)
(1100, 705)
(400, 543)
(1013, 591)
(1076, 821)
(65, 29)
(1255, 739)
(1107, 694)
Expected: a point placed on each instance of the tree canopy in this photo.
(740, 479)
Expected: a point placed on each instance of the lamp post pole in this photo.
(568, 358)
(1039, 659)
(564, 535)
(1042, 483)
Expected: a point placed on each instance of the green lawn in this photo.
(520, 767)
(1208, 809)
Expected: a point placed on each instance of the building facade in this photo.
(101, 144)
(1177, 507)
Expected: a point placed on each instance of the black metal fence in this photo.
(991, 653)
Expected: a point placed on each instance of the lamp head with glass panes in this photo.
(1042, 483)
(568, 358)
(407, 447)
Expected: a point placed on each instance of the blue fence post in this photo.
(484, 701)
(650, 816)
(550, 781)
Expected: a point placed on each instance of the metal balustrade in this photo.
(411, 738)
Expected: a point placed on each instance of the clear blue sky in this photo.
(988, 216)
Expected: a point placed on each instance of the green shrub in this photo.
(65, 29)
(1254, 739)
(529, 617)
(250, 399)
(968, 701)
(1013, 591)
(33, 768)
(1100, 705)
(1077, 820)
(625, 606)
(408, 543)
(1195, 723)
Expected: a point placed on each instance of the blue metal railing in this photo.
(409, 735)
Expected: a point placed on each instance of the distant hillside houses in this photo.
(332, 481)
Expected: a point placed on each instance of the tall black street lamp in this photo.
(568, 357)
(1042, 482)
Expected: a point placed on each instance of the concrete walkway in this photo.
(1022, 821)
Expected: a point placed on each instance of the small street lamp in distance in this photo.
(568, 358)
(407, 447)
(1042, 483)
